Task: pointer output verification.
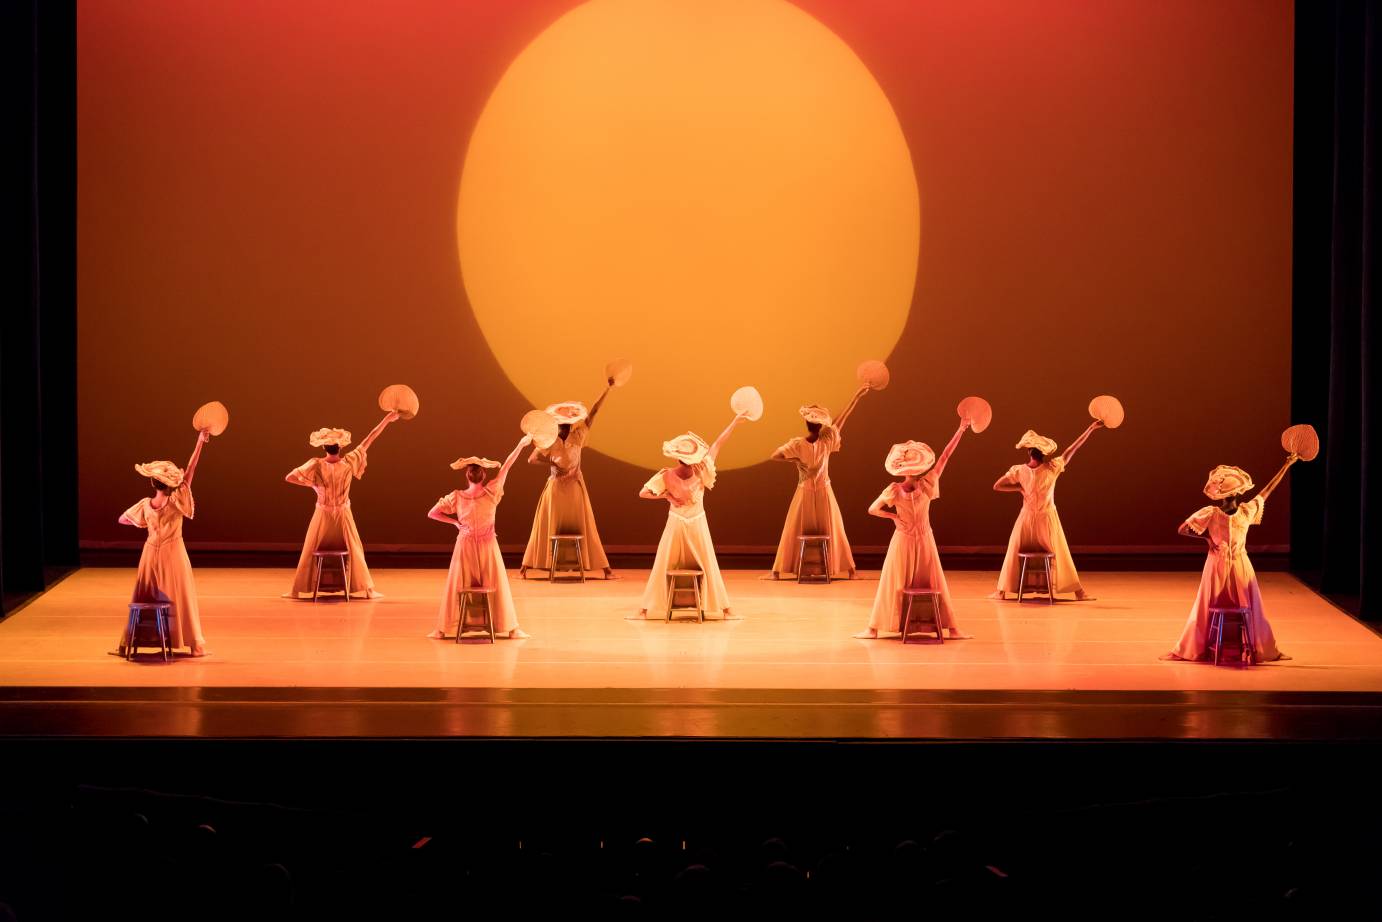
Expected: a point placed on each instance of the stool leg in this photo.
(1249, 639)
(801, 557)
(906, 615)
(316, 577)
(1219, 639)
(826, 559)
(700, 600)
(489, 618)
(580, 556)
(345, 575)
(671, 594)
(1050, 584)
(131, 631)
(1021, 578)
(552, 564)
(936, 615)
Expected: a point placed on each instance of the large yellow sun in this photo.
(716, 189)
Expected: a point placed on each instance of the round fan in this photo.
(873, 374)
(621, 370)
(748, 401)
(541, 425)
(977, 411)
(1107, 410)
(400, 398)
(1301, 441)
(213, 417)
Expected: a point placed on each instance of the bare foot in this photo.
(289, 595)
(641, 616)
(1082, 596)
(730, 616)
(1172, 657)
(1282, 656)
(609, 573)
(374, 595)
(519, 634)
(866, 634)
(774, 574)
(953, 634)
(199, 651)
(522, 572)
(997, 596)
(436, 635)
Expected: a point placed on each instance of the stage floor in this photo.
(790, 667)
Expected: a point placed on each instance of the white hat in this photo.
(323, 437)
(815, 413)
(909, 458)
(688, 447)
(568, 411)
(460, 463)
(1041, 443)
(1227, 480)
(165, 472)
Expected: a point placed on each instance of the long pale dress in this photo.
(913, 561)
(564, 507)
(476, 560)
(165, 572)
(1228, 580)
(1038, 527)
(333, 526)
(814, 510)
(686, 543)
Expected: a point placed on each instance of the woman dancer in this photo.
(686, 541)
(564, 507)
(333, 526)
(913, 561)
(814, 510)
(476, 561)
(165, 572)
(1038, 525)
(1228, 579)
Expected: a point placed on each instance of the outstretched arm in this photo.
(508, 462)
(1069, 453)
(854, 402)
(595, 407)
(202, 438)
(1271, 484)
(950, 448)
(719, 442)
(374, 433)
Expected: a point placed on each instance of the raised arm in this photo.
(1271, 484)
(595, 407)
(950, 448)
(1069, 453)
(719, 442)
(374, 433)
(854, 402)
(202, 438)
(509, 461)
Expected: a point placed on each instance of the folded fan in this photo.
(1302, 441)
(977, 411)
(213, 417)
(399, 398)
(748, 401)
(1107, 410)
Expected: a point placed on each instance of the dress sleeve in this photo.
(931, 485)
(889, 495)
(357, 459)
(136, 513)
(656, 484)
(1057, 464)
(831, 436)
(1254, 508)
(307, 472)
(788, 449)
(1012, 476)
(1200, 520)
(181, 499)
(447, 503)
(578, 435)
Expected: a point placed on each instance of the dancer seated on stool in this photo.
(1228, 580)
(476, 561)
(333, 524)
(564, 507)
(814, 510)
(913, 561)
(686, 542)
(165, 572)
(1038, 525)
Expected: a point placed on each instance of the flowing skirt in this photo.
(477, 562)
(913, 562)
(1230, 583)
(332, 529)
(685, 545)
(564, 509)
(1039, 531)
(814, 511)
(165, 575)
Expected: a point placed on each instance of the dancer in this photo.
(476, 561)
(564, 507)
(1228, 579)
(1038, 525)
(686, 541)
(333, 526)
(913, 561)
(165, 572)
(814, 510)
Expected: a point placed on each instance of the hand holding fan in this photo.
(212, 417)
(748, 402)
(976, 411)
(1107, 410)
(541, 425)
(873, 374)
(1301, 441)
(618, 372)
(400, 399)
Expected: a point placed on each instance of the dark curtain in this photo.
(1334, 526)
(38, 320)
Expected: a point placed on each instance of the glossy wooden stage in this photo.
(788, 670)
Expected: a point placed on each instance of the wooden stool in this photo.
(684, 581)
(343, 557)
(822, 544)
(1247, 649)
(160, 612)
(909, 598)
(1046, 558)
(486, 622)
(574, 541)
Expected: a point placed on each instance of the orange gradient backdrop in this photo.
(267, 216)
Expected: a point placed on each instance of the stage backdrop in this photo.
(286, 206)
